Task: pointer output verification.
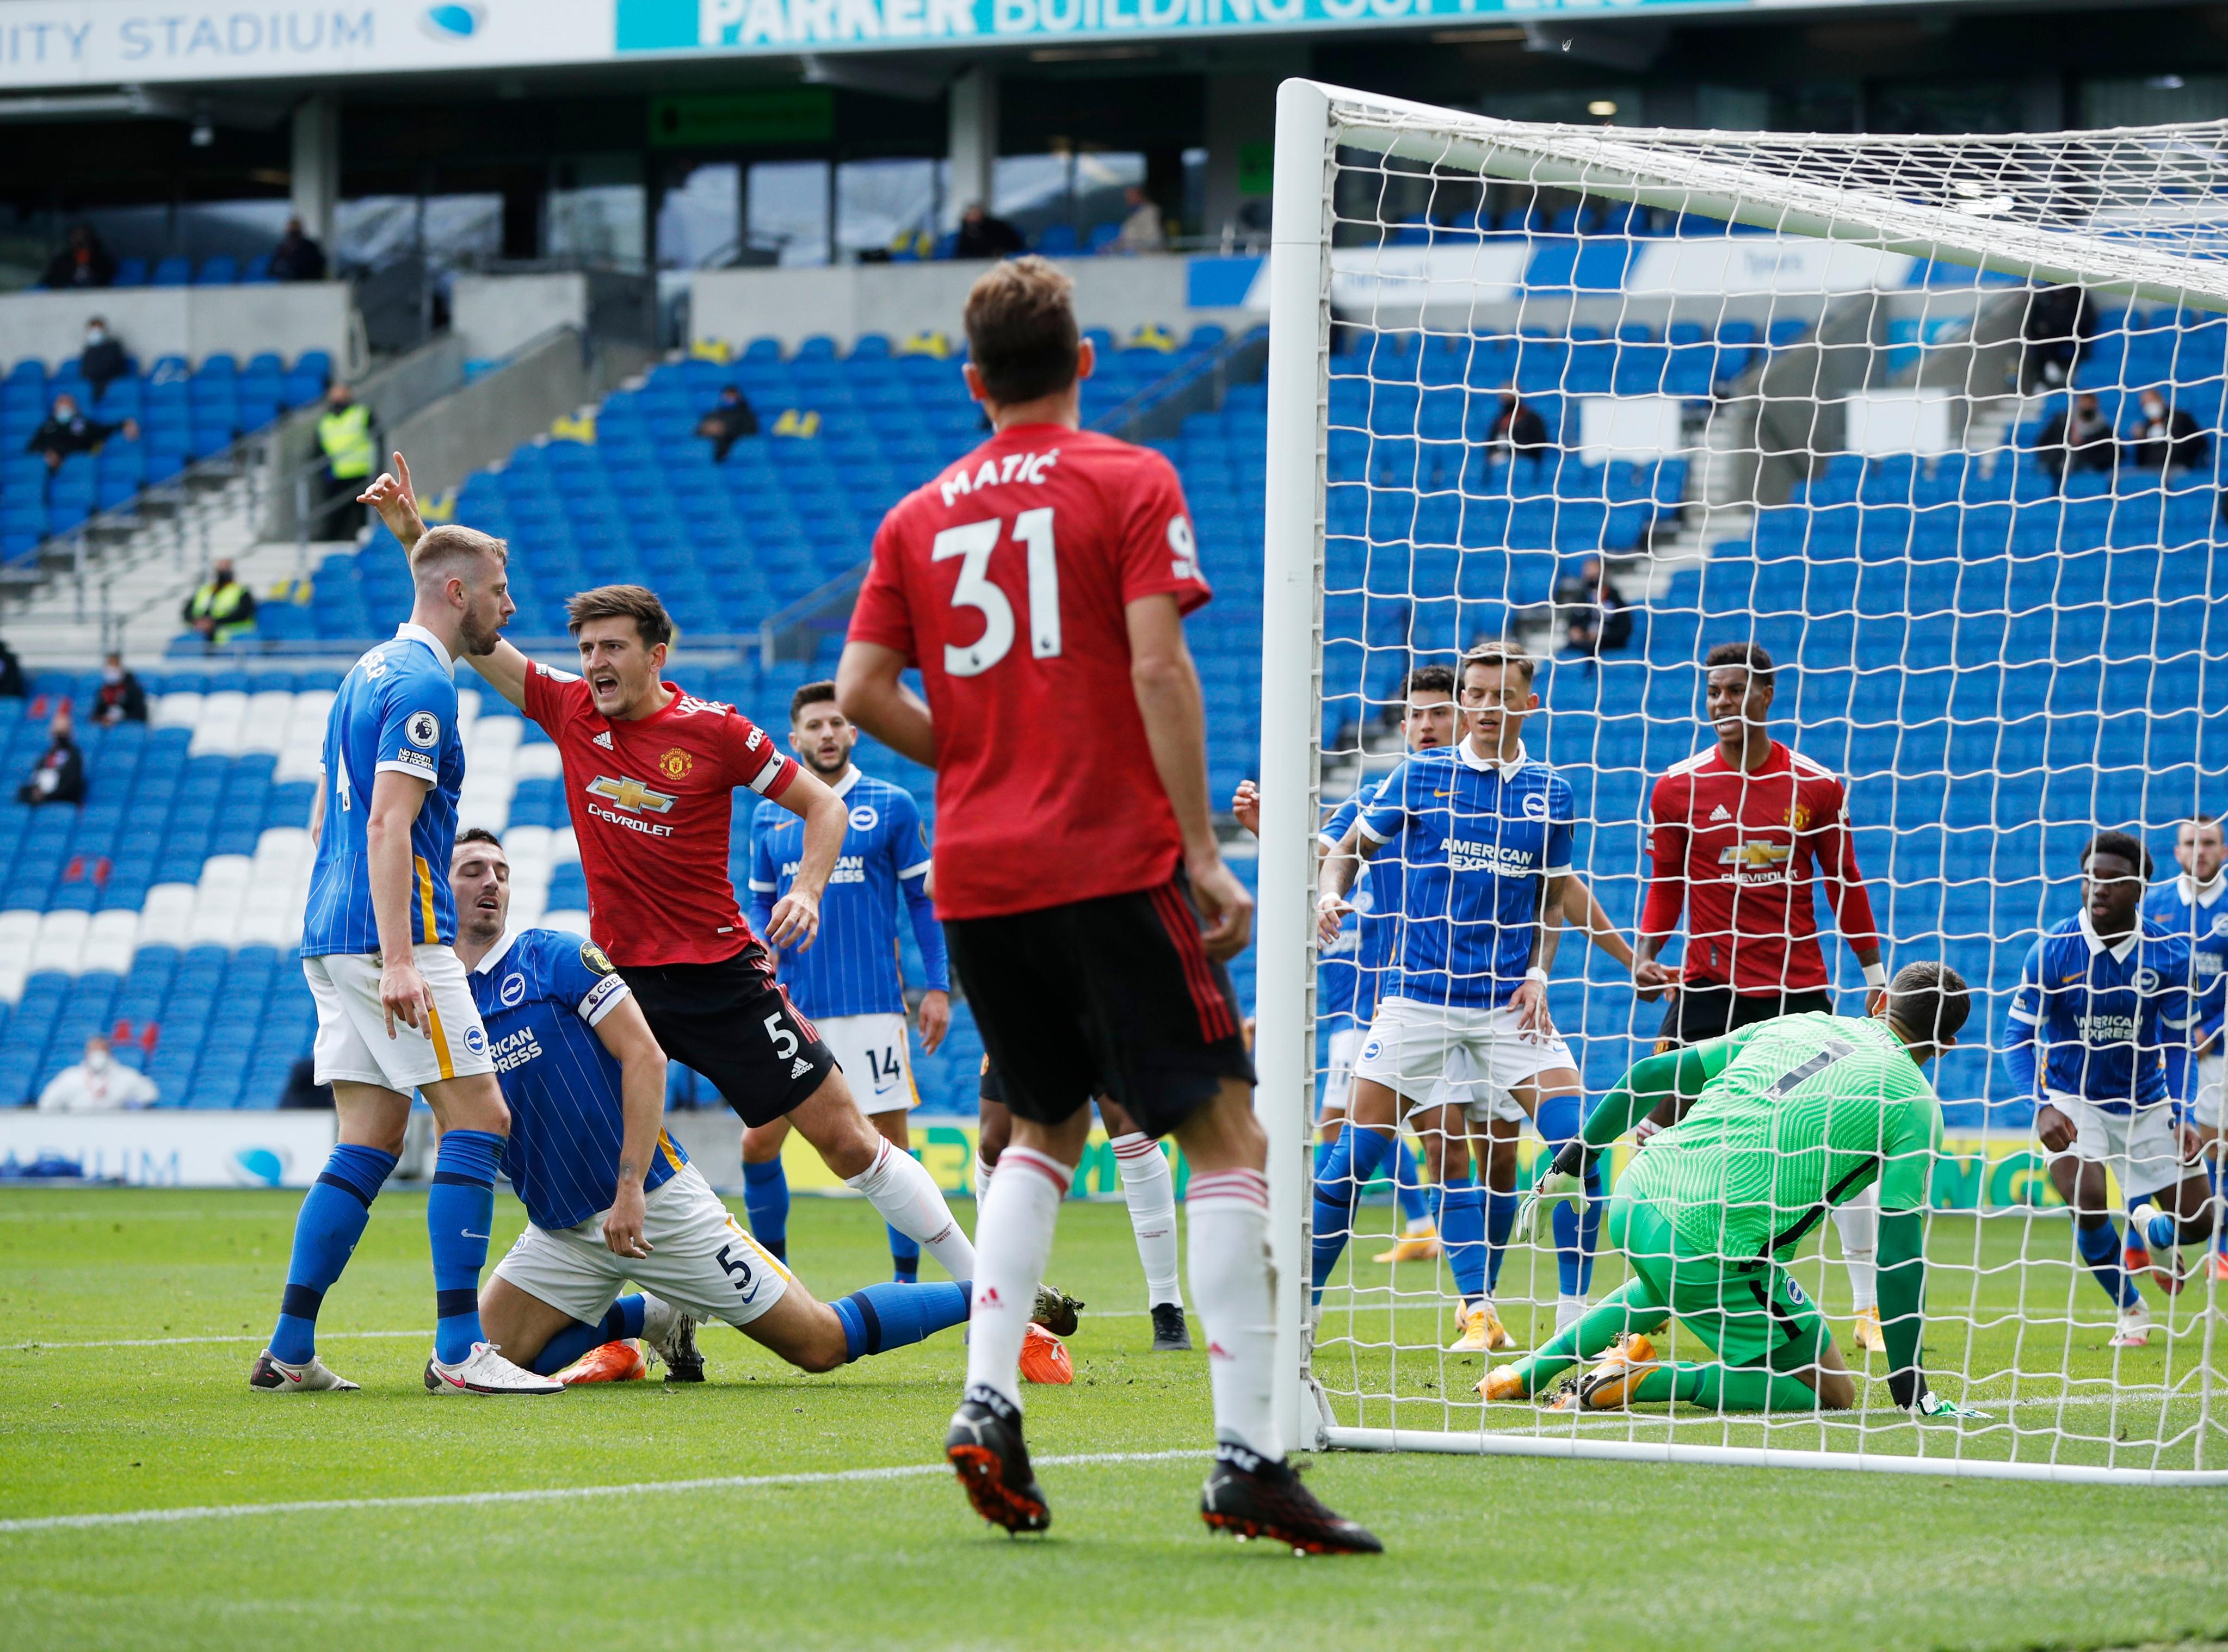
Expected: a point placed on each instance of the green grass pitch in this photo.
(1480, 1551)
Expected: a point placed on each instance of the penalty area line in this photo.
(325, 1335)
(559, 1494)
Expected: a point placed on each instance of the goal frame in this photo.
(1608, 164)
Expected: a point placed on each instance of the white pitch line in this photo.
(555, 1494)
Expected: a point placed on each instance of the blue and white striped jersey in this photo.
(1478, 841)
(396, 712)
(540, 993)
(2199, 917)
(852, 968)
(1352, 973)
(2105, 1017)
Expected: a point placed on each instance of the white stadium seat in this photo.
(18, 929)
(222, 725)
(266, 915)
(179, 710)
(526, 843)
(109, 944)
(563, 846)
(280, 850)
(60, 942)
(163, 919)
(575, 921)
(270, 715)
(536, 762)
(12, 977)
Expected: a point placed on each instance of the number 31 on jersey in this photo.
(973, 543)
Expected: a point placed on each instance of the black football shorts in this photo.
(731, 1022)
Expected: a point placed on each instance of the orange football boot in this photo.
(1044, 1358)
(613, 1362)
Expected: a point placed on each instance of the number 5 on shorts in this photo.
(784, 1042)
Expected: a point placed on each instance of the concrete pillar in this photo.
(974, 142)
(316, 175)
(1241, 111)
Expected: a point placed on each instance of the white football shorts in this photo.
(2139, 1148)
(700, 1260)
(876, 1056)
(352, 1042)
(1338, 1075)
(2208, 1109)
(1480, 1055)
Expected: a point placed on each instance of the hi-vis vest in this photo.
(345, 435)
(222, 603)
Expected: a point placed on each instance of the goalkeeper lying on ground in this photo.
(1788, 1117)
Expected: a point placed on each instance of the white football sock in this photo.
(1150, 1192)
(1232, 1292)
(657, 1316)
(983, 1170)
(909, 1201)
(1858, 1222)
(1016, 1227)
(1570, 1309)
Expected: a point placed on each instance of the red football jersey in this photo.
(1741, 853)
(1005, 580)
(652, 802)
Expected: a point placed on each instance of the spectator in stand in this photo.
(1518, 429)
(1594, 616)
(12, 686)
(1143, 230)
(2079, 438)
(121, 698)
(98, 1084)
(103, 360)
(2059, 323)
(728, 423)
(60, 775)
(982, 236)
(351, 450)
(2167, 438)
(68, 430)
(83, 262)
(221, 608)
(296, 257)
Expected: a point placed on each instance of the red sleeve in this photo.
(882, 614)
(1157, 552)
(546, 698)
(1834, 847)
(754, 760)
(1666, 862)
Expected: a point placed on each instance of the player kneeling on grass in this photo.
(1708, 1216)
(611, 1197)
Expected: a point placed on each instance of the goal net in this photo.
(1935, 421)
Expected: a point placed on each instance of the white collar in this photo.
(2096, 944)
(2194, 896)
(1506, 771)
(851, 777)
(418, 633)
(486, 965)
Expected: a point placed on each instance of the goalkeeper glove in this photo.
(1932, 1405)
(1909, 1391)
(1563, 1180)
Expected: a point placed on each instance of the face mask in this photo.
(95, 335)
(96, 1060)
(112, 674)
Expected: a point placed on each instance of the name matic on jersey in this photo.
(1015, 467)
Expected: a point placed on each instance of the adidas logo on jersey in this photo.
(799, 1068)
(1719, 813)
(603, 740)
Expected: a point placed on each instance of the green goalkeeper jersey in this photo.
(1803, 1113)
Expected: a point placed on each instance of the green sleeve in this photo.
(1902, 1293)
(1908, 1149)
(1650, 1083)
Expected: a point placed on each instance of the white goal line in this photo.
(559, 1494)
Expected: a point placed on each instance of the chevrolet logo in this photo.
(631, 795)
(1755, 856)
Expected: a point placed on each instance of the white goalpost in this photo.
(1824, 393)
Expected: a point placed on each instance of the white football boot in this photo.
(484, 1371)
(272, 1375)
(2135, 1328)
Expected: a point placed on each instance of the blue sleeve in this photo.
(909, 846)
(1386, 811)
(417, 710)
(1561, 827)
(764, 876)
(2021, 1023)
(1341, 821)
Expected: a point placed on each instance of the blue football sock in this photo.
(1408, 1186)
(459, 1215)
(1463, 1217)
(2100, 1249)
(1575, 1238)
(765, 1197)
(1500, 1222)
(1355, 1159)
(2162, 1233)
(621, 1320)
(882, 1317)
(1324, 1152)
(330, 1223)
(905, 1258)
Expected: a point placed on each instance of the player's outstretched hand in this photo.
(403, 995)
(1330, 913)
(396, 502)
(1246, 806)
(1651, 980)
(1533, 1021)
(935, 1019)
(1226, 907)
(1933, 1405)
(795, 921)
(623, 1223)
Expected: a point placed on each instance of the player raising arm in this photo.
(2106, 995)
(1708, 1217)
(649, 777)
(1040, 585)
